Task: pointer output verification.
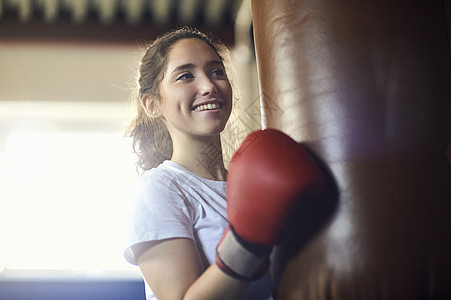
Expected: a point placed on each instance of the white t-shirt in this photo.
(172, 202)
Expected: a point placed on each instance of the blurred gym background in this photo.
(67, 70)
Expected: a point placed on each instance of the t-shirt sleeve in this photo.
(159, 210)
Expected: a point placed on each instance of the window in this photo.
(66, 172)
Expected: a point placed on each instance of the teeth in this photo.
(207, 106)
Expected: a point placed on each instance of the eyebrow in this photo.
(192, 66)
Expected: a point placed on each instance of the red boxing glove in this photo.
(267, 175)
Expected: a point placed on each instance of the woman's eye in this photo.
(185, 76)
(218, 72)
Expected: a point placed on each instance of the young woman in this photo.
(179, 212)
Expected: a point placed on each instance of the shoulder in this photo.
(162, 184)
(159, 208)
(167, 174)
(169, 177)
(160, 179)
(170, 185)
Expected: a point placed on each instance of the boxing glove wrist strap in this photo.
(236, 260)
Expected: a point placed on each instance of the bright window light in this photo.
(62, 197)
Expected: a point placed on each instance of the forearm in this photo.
(173, 269)
(215, 284)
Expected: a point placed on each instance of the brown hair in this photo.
(150, 137)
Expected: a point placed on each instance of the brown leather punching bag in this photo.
(365, 85)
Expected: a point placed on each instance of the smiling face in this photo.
(195, 93)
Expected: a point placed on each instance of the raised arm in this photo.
(268, 175)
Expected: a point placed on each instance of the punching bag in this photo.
(365, 85)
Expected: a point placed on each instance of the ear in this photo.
(151, 106)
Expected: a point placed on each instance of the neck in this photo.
(201, 156)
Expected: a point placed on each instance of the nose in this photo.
(206, 86)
